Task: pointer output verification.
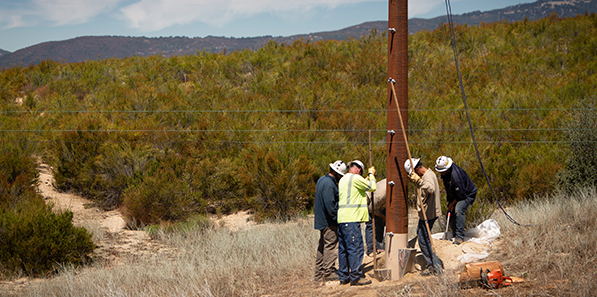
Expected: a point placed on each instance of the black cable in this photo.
(468, 117)
(287, 110)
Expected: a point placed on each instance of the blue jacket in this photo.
(459, 186)
(326, 202)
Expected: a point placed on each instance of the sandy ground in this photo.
(116, 241)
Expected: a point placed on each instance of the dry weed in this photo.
(212, 262)
(556, 253)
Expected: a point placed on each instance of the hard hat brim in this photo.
(448, 166)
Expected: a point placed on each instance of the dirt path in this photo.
(113, 240)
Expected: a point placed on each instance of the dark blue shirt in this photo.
(458, 185)
(326, 202)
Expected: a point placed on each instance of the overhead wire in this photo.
(289, 110)
(468, 117)
(290, 130)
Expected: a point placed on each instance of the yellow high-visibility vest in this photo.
(352, 203)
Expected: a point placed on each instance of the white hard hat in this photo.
(358, 163)
(443, 163)
(339, 167)
(407, 165)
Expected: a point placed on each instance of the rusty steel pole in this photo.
(397, 209)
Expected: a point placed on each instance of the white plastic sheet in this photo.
(485, 233)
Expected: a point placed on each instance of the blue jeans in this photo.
(458, 220)
(379, 234)
(424, 241)
(350, 252)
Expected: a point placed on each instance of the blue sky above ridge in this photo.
(25, 23)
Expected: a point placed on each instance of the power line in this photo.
(294, 110)
(525, 142)
(292, 130)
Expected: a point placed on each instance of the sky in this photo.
(25, 23)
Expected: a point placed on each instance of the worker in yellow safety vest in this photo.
(352, 211)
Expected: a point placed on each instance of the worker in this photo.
(352, 211)
(460, 192)
(428, 186)
(380, 217)
(326, 221)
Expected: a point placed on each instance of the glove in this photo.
(414, 177)
(372, 170)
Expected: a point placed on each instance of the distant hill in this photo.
(101, 47)
(3, 53)
(531, 11)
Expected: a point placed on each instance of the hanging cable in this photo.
(468, 117)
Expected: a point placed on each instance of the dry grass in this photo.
(558, 252)
(556, 256)
(213, 262)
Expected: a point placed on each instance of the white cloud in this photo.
(419, 7)
(152, 15)
(58, 12)
(66, 12)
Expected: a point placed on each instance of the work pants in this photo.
(327, 253)
(350, 252)
(425, 241)
(458, 220)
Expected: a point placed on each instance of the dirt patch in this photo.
(237, 221)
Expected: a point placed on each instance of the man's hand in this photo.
(451, 206)
(414, 177)
(372, 170)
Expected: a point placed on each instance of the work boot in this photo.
(458, 241)
(344, 282)
(361, 282)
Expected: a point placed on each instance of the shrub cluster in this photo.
(280, 184)
(33, 239)
(581, 162)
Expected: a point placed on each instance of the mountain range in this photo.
(101, 47)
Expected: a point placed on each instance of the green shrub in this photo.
(115, 168)
(279, 186)
(169, 192)
(72, 155)
(34, 240)
(221, 184)
(581, 133)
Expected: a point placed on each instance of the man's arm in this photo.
(365, 185)
(426, 187)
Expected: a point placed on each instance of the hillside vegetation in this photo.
(169, 138)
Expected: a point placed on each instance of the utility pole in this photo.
(397, 209)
